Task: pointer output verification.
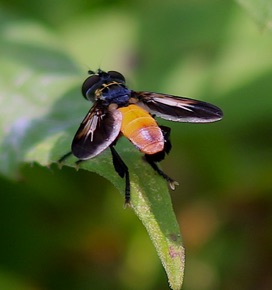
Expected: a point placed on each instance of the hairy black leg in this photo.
(159, 156)
(150, 160)
(64, 157)
(80, 161)
(122, 170)
(166, 134)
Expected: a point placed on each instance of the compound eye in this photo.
(117, 76)
(89, 86)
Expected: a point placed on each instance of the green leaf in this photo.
(40, 112)
(12, 282)
(151, 202)
(260, 10)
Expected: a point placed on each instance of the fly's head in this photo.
(98, 84)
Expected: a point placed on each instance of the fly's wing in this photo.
(97, 131)
(178, 109)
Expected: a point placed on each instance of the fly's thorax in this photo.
(113, 92)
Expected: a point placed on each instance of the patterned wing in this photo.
(178, 109)
(97, 131)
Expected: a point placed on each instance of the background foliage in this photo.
(62, 229)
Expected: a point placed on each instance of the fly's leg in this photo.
(63, 158)
(159, 156)
(153, 164)
(166, 134)
(67, 155)
(121, 168)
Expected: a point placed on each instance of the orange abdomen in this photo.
(141, 129)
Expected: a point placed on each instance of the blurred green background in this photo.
(62, 229)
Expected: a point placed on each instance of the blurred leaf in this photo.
(36, 73)
(39, 115)
(260, 10)
(12, 282)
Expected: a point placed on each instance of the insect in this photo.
(118, 111)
